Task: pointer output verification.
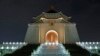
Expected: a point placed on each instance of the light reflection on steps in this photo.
(51, 49)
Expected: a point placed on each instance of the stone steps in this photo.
(27, 50)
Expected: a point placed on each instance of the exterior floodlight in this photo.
(42, 18)
(86, 42)
(93, 42)
(97, 42)
(2, 47)
(49, 43)
(56, 43)
(13, 43)
(24, 42)
(7, 47)
(17, 43)
(96, 47)
(60, 18)
(90, 43)
(82, 42)
(20, 43)
(10, 42)
(53, 43)
(90, 47)
(12, 47)
(46, 43)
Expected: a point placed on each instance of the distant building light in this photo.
(42, 18)
(17, 43)
(20, 43)
(24, 42)
(10, 42)
(2, 47)
(82, 42)
(90, 42)
(60, 18)
(14, 43)
(7, 47)
(86, 42)
(79, 43)
(97, 42)
(56, 43)
(93, 42)
(90, 47)
(49, 43)
(46, 43)
(53, 43)
(12, 47)
(96, 47)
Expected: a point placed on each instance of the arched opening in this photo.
(51, 36)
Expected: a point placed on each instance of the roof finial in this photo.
(51, 9)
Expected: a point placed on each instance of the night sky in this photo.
(16, 14)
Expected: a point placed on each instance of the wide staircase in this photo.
(29, 50)
(51, 49)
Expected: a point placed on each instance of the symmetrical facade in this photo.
(52, 29)
(39, 31)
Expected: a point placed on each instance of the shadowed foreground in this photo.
(74, 50)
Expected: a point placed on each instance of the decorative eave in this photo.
(52, 16)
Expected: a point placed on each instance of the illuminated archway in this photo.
(51, 36)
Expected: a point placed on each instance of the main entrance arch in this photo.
(51, 36)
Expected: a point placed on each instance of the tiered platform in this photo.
(51, 49)
(32, 49)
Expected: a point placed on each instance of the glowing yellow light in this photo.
(51, 36)
(60, 18)
(42, 18)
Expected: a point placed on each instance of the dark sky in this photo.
(16, 14)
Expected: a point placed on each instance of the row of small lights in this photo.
(91, 47)
(88, 47)
(45, 18)
(8, 47)
(14, 43)
(53, 43)
(46, 43)
(87, 42)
